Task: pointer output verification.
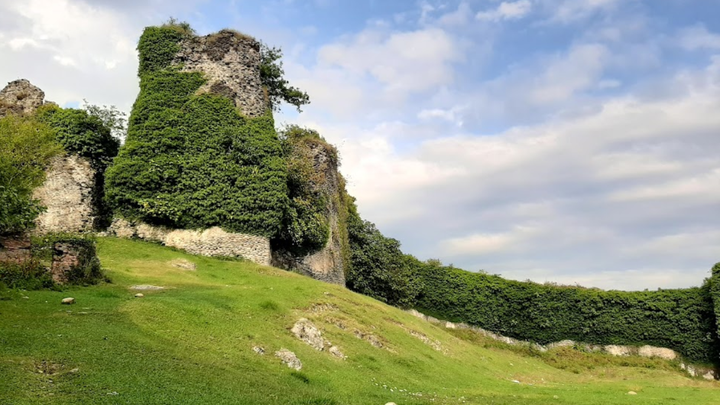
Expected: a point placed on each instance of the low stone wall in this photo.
(68, 195)
(209, 242)
(614, 350)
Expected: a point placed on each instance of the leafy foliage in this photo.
(272, 75)
(192, 161)
(26, 147)
(112, 118)
(713, 284)
(305, 226)
(82, 133)
(682, 320)
(378, 267)
(27, 275)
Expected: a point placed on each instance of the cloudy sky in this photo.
(574, 141)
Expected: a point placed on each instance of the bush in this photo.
(682, 319)
(82, 134)
(27, 275)
(378, 267)
(193, 161)
(26, 148)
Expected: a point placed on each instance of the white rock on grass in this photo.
(68, 301)
(309, 333)
(146, 287)
(289, 358)
(259, 350)
(139, 295)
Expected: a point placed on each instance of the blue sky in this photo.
(555, 140)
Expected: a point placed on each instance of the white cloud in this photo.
(698, 37)
(401, 61)
(569, 11)
(506, 11)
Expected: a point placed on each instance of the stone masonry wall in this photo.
(231, 64)
(68, 188)
(326, 264)
(68, 195)
(209, 242)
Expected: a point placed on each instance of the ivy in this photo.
(193, 161)
(681, 319)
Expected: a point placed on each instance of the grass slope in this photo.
(192, 343)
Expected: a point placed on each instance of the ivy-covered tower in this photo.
(201, 149)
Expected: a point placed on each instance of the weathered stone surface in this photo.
(310, 334)
(327, 263)
(68, 195)
(335, 351)
(661, 352)
(20, 97)
(616, 350)
(289, 358)
(14, 249)
(183, 264)
(66, 257)
(209, 242)
(231, 64)
(143, 287)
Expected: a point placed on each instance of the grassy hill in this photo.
(192, 342)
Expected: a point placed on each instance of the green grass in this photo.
(192, 344)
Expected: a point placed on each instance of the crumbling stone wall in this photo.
(209, 242)
(70, 180)
(328, 263)
(68, 195)
(20, 97)
(231, 64)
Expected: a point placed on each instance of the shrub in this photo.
(26, 148)
(378, 267)
(27, 275)
(82, 134)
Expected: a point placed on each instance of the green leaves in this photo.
(26, 148)
(278, 88)
(192, 161)
(682, 319)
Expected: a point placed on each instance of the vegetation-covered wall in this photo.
(192, 160)
(683, 319)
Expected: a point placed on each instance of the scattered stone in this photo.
(139, 295)
(310, 334)
(259, 350)
(516, 381)
(391, 403)
(146, 287)
(632, 393)
(370, 338)
(183, 264)
(337, 353)
(68, 301)
(289, 358)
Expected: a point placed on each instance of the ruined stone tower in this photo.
(67, 192)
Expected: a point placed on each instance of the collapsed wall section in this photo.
(209, 242)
